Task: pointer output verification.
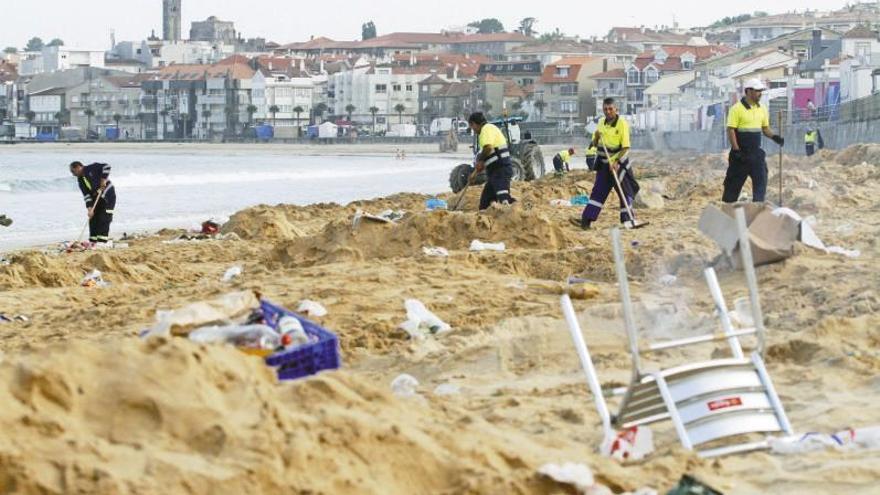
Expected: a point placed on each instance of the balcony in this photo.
(608, 92)
(212, 99)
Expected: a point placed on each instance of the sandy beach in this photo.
(89, 407)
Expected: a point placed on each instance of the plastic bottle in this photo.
(292, 332)
(435, 204)
(249, 336)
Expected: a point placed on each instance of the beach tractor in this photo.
(525, 156)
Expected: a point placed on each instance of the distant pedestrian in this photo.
(810, 139)
(811, 108)
(746, 121)
(99, 195)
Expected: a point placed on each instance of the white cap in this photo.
(755, 84)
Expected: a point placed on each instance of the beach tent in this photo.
(328, 130)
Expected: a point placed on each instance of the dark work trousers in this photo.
(742, 165)
(99, 224)
(558, 164)
(811, 149)
(497, 188)
(603, 186)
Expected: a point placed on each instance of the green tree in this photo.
(251, 110)
(142, 118)
(319, 110)
(10, 49)
(30, 116)
(400, 108)
(206, 115)
(56, 42)
(164, 113)
(373, 112)
(117, 118)
(274, 109)
(35, 44)
(63, 117)
(368, 31)
(349, 109)
(540, 105)
(527, 26)
(554, 36)
(487, 26)
(231, 125)
(89, 114)
(185, 117)
(298, 110)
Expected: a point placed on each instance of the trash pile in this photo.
(294, 345)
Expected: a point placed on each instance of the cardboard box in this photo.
(772, 237)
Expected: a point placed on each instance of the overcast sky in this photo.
(87, 23)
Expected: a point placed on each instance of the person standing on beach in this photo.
(494, 158)
(612, 142)
(746, 121)
(99, 195)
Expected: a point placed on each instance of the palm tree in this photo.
(117, 118)
(30, 116)
(373, 112)
(541, 105)
(185, 118)
(206, 114)
(349, 109)
(400, 108)
(274, 109)
(63, 117)
(142, 118)
(251, 110)
(319, 110)
(89, 113)
(164, 113)
(229, 110)
(298, 110)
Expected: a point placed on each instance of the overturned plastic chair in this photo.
(715, 401)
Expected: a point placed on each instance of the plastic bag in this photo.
(247, 336)
(311, 308)
(404, 386)
(231, 273)
(421, 321)
(437, 252)
(631, 444)
(94, 279)
(477, 245)
(435, 204)
(577, 475)
(221, 310)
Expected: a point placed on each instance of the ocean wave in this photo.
(37, 185)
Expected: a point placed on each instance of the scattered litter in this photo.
(220, 311)
(210, 227)
(404, 386)
(742, 312)
(688, 485)
(808, 235)
(392, 215)
(668, 280)
(635, 243)
(477, 245)
(573, 474)
(231, 273)
(12, 319)
(293, 334)
(866, 438)
(434, 204)
(188, 238)
(4, 261)
(311, 308)
(94, 279)
(256, 337)
(631, 444)
(421, 322)
(560, 202)
(447, 389)
(438, 252)
(580, 200)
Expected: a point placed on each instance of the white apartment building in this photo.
(57, 58)
(286, 93)
(380, 87)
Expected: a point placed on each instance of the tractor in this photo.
(525, 156)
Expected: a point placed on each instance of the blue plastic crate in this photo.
(305, 360)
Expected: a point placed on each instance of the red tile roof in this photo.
(513, 90)
(611, 74)
(575, 64)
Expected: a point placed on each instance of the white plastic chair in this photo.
(707, 401)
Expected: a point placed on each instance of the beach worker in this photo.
(612, 142)
(746, 121)
(591, 152)
(493, 157)
(562, 161)
(810, 139)
(5, 221)
(99, 195)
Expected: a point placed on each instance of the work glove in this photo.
(778, 140)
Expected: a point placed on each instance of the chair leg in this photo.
(673, 411)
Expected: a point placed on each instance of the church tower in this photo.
(171, 20)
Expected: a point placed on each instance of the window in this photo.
(381, 88)
(409, 87)
(632, 76)
(396, 87)
(568, 106)
(568, 89)
(652, 76)
(562, 71)
(688, 64)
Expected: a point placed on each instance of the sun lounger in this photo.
(716, 401)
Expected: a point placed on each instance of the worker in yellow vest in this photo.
(562, 161)
(591, 153)
(810, 141)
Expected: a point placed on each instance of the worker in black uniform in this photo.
(99, 195)
(494, 158)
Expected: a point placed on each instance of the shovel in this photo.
(91, 212)
(632, 216)
(460, 197)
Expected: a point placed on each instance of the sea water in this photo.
(171, 188)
